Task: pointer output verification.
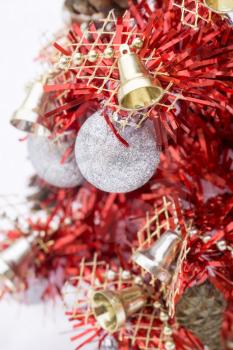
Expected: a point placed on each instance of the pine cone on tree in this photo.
(86, 10)
(201, 311)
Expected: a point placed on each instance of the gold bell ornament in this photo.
(137, 89)
(111, 309)
(219, 6)
(13, 257)
(159, 257)
(26, 117)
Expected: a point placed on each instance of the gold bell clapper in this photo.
(159, 257)
(26, 117)
(137, 89)
(12, 257)
(112, 308)
(219, 6)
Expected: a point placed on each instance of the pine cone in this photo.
(201, 311)
(86, 10)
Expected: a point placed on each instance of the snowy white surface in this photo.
(23, 28)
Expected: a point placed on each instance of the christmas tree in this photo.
(130, 134)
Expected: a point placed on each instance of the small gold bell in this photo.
(137, 90)
(12, 257)
(219, 6)
(111, 309)
(26, 117)
(158, 258)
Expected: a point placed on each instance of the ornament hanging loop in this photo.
(124, 49)
(137, 90)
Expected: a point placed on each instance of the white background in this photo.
(24, 24)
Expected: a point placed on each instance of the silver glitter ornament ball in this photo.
(110, 166)
(46, 154)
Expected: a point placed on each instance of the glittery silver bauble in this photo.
(46, 156)
(110, 166)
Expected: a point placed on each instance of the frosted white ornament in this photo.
(110, 166)
(46, 154)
